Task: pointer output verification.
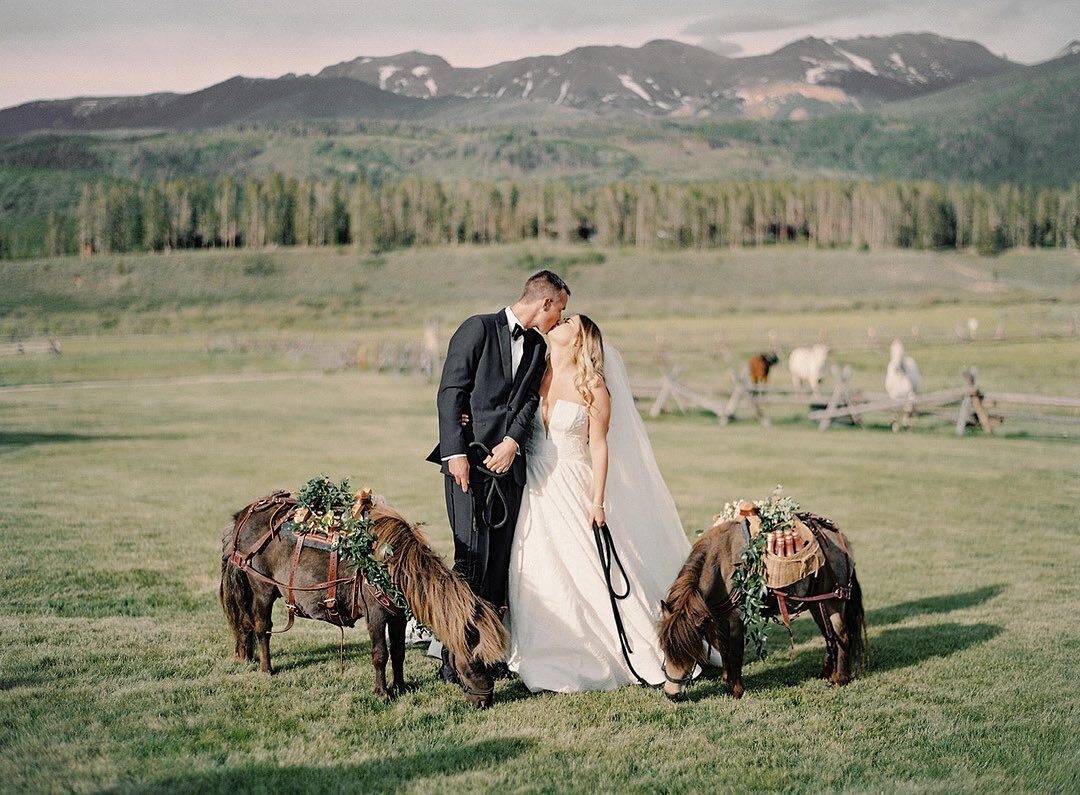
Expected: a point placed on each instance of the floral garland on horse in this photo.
(333, 509)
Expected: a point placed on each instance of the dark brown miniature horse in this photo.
(701, 607)
(440, 599)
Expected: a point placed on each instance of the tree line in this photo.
(193, 212)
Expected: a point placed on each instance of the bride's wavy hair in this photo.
(589, 357)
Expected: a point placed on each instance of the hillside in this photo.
(234, 101)
(1022, 127)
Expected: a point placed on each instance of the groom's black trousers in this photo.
(482, 554)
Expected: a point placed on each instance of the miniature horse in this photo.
(257, 567)
(700, 607)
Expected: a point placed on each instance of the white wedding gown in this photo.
(562, 631)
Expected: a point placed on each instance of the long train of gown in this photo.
(562, 632)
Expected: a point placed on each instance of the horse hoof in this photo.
(737, 692)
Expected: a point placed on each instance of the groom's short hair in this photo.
(544, 284)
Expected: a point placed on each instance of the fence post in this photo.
(972, 404)
(841, 396)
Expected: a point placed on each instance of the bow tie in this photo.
(516, 332)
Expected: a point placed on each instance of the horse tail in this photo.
(855, 624)
(235, 591)
(687, 622)
(441, 599)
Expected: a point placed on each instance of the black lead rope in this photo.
(605, 547)
(494, 491)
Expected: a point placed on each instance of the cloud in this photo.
(785, 14)
(721, 47)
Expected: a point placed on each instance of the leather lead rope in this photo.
(493, 491)
(605, 548)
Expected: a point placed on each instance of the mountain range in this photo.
(662, 79)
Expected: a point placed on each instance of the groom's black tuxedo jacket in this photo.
(476, 380)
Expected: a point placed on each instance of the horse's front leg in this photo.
(725, 655)
(376, 624)
(733, 661)
(397, 651)
(830, 620)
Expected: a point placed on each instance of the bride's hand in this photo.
(598, 516)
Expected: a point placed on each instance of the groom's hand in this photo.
(459, 469)
(502, 456)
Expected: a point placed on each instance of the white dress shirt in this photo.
(517, 346)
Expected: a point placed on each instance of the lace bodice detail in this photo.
(566, 434)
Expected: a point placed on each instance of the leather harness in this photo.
(281, 505)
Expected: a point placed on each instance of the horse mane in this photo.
(439, 598)
(687, 622)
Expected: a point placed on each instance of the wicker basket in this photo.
(781, 572)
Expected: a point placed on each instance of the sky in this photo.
(51, 49)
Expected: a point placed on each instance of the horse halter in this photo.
(478, 693)
(682, 682)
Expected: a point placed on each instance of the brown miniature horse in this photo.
(700, 608)
(760, 364)
(468, 626)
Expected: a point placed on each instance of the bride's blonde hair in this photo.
(589, 357)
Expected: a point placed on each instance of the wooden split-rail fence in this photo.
(29, 346)
(848, 405)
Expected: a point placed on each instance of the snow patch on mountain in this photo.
(385, 73)
(819, 70)
(628, 83)
(910, 71)
(860, 63)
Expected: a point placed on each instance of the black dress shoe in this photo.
(446, 670)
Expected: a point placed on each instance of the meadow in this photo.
(190, 385)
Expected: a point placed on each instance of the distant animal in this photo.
(902, 379)
(702, 607)
(807, 366)
(760, 363)
(902, 382)
(262, 561)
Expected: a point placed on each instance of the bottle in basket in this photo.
(770, 544)
(789, 544)
(796, 543)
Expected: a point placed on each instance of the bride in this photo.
(589, 461)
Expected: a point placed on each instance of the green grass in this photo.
(188, 393)
(115, 670)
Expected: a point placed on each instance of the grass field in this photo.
(184, 391)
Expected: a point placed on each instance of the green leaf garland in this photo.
(328, 509)
(776, 513)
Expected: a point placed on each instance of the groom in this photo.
(488, 395)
